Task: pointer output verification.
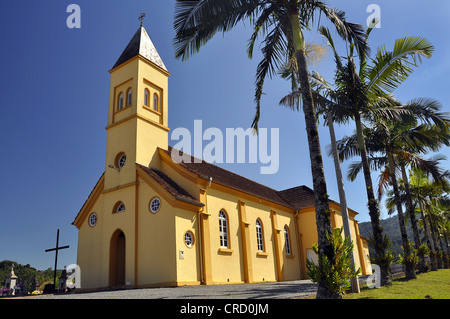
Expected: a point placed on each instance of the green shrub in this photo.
(412, 259)
(334, 276)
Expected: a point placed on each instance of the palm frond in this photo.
(275, 46)
(350, 32)
(427, 110)
(390, 68)
(197, 21)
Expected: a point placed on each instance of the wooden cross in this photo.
(56, 255)
(141, 17)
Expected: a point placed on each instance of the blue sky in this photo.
(54, 84)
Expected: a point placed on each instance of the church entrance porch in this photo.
(117, 260)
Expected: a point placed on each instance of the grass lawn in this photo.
(431, 285)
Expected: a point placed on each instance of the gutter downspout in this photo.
(201, 233)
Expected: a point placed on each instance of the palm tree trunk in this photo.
(409, 267)
(443, 252)
(378, 241)
(412, 217)
(435, 239)
(320, 188)
(429, 239)
(447, 253)
(342, 198)
(446, 242)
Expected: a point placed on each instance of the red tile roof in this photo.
(296, 198)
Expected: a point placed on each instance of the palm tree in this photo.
(394, 140)
(324, 100)
(281, 23)
(426, 193)
(362, 93)
(406, 197)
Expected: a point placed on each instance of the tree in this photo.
(397, 142)
(324, 99)
(363, 93)
(281, 23)
(426, 195)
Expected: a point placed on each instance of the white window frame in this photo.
(259, 235)
(223, 229)
(120, 208)
(287, 240)
(155, 205)
(120, 102)
(146, 97)
(122, 160)
(93, 218)
(189, 239)
(129, 96)
(155, 102)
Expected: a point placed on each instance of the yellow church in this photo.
(150, 221)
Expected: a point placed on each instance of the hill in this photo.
(391, 227)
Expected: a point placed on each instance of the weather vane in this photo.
(141, 17)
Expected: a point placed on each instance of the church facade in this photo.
(150, 221)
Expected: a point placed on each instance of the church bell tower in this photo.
(138, 111)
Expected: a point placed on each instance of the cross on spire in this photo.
(141, 17)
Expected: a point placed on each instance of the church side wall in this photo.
(264, 263)
(187, 257)
(90, 250)
(156, 238)
(290, 262)
(227, 265)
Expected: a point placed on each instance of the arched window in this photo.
(146, 98)
(223, 229)
(120, 102)
(287, 240)
(155, 102)
(119, 207)
(129, 96)
(259, 235)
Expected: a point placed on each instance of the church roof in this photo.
(296, 198)
(141, 44)
(169, 185)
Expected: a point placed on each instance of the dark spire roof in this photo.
(141, 44)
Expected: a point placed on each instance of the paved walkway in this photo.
(273, 290)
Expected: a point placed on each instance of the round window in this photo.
(155, 204)
(121, 161)
(189, 239)
(93, 219)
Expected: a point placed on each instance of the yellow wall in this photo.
(156, 247)
(90, 250)
(188, 267)
(135, 130)
(308, 230)
(94, 242)
(227, 265)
